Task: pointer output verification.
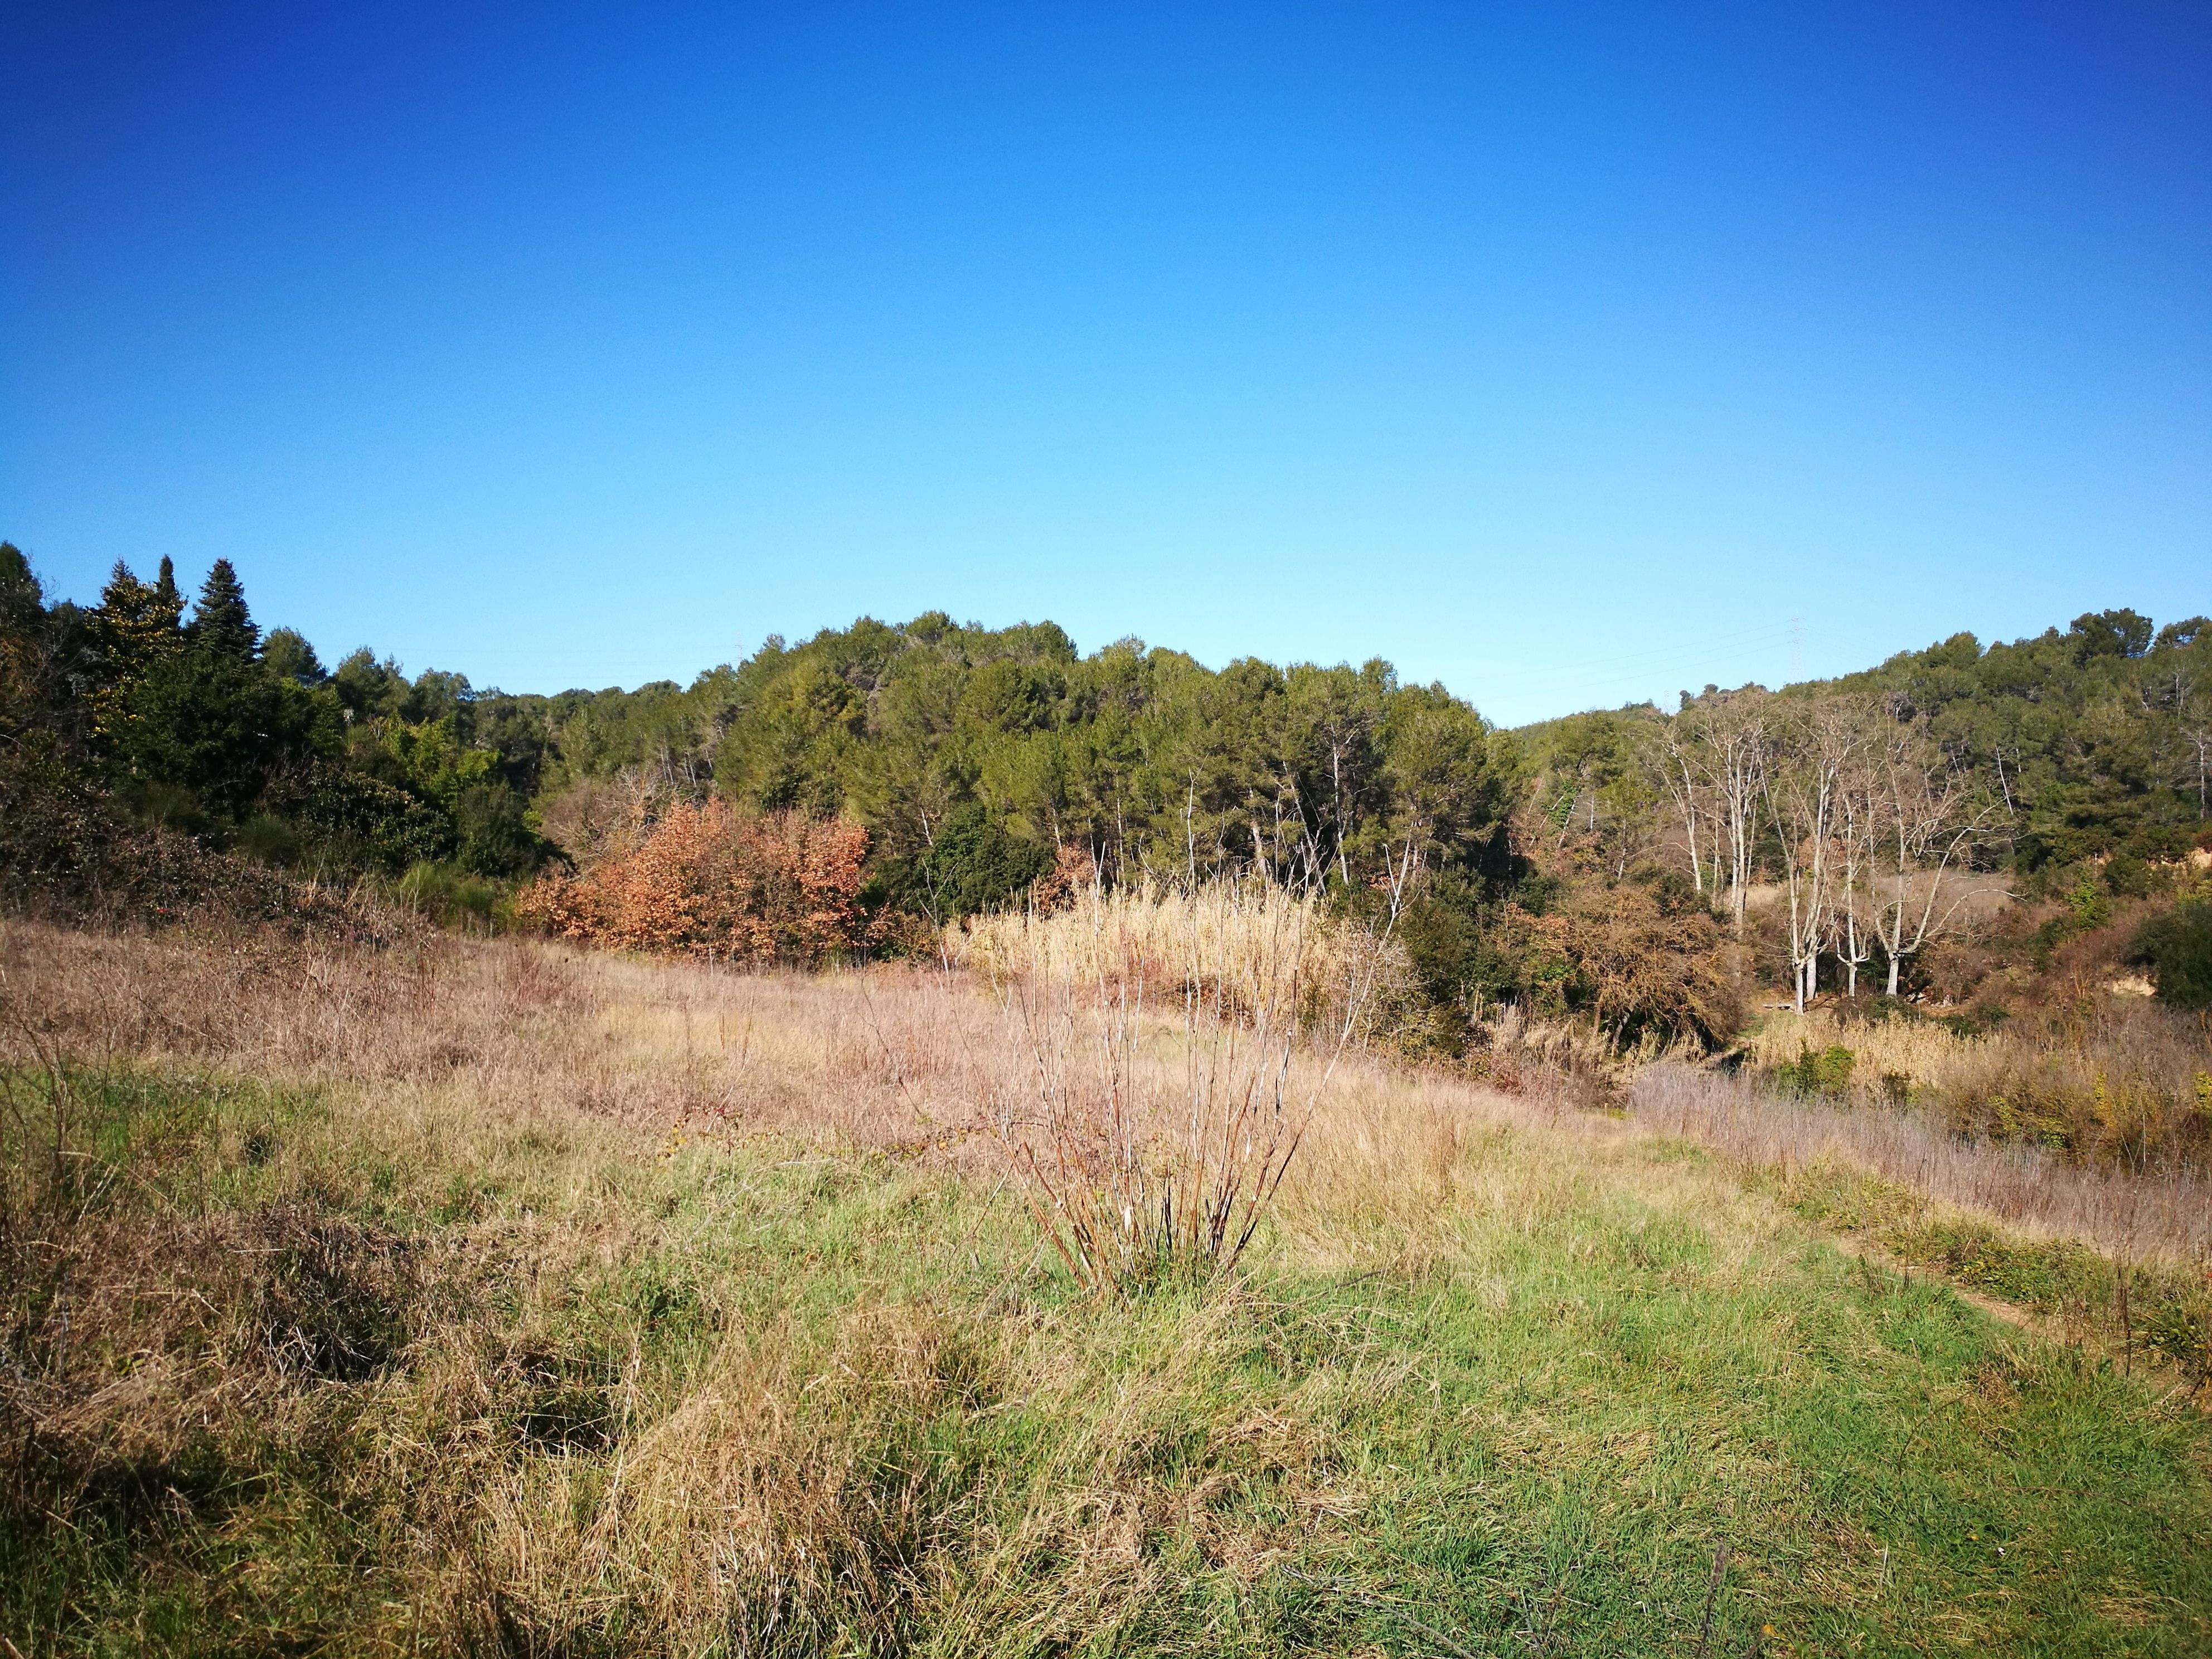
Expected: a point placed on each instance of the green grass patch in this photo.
(2157, 1308)
(300, 1374)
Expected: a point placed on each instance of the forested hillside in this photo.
(2090, 743)
(1647, 869)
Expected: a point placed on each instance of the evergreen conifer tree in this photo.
(22, 620)
(23, 603)
(134, 626)
(137, 622)
(220, 625)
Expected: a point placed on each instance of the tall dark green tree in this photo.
(22, 602)
(221, 625)
(219, 729)
(287, 654)
(23, 631)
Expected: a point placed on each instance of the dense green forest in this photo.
(1598, 862)
(967, 753)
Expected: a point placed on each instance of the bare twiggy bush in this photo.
(1554, 1055)
(1150, 1143)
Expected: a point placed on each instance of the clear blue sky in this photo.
(1564, 353)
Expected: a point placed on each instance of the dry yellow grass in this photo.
(2029, 1190)
(2106, 1080)
(513, 1028)
(921, 1063)
(793, 1435)
(1930, 1054)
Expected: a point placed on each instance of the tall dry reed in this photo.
(1241, 944)
(1930, 1054)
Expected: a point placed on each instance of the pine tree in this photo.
(134, 626)
(23, 603)
(286, 653)
(220, 625)
(22, 625)
(136, 622)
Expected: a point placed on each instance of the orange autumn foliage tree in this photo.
(703, 881)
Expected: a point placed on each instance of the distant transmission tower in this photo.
(1796, 649)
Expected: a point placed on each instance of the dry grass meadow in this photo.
(2116, 1078)
(495, 1297)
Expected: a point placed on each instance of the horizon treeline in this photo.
(966, 752)
(975, 758)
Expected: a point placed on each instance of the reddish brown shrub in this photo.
(704, 881)
(1073, 872)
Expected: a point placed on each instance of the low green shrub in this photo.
(1825, 1072)
(2177, 947)
(448, 894)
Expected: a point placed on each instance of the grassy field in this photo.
(490, 1298)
